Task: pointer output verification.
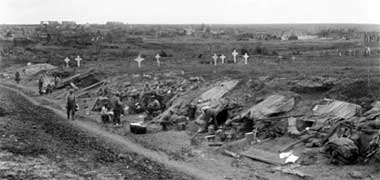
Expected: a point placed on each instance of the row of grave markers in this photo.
(77, 59)
(234, 54)
(139, 59)
(215, 57)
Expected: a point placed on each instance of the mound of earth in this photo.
(314, 85)
(359, 92)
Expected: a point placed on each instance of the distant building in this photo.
(189, 31)
(49, 22)
(68, 23)
(307, 37)
(292, 37)
(284, 37)
(113, 23)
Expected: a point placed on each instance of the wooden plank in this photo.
(178, 101)
(280, 117)
(81, 91)
(263, 156)
(74, 78)
(291, 145)
(74, 86)
(231, 154)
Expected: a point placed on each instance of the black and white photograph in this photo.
(189, 90)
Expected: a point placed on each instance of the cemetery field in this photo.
(307, 70)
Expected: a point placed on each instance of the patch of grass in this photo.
(25, 150)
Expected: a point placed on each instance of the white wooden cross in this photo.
(293, 58)
(67, 60)
(158, 60)
(222, 57)
(235, 53)
(215, 57)
(78, 59)
(139, 59)
(368, 50)
(245, 58)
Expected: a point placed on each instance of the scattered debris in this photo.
(356, 174)
(91, 86)
(196, 78)
(337, 108)
(315, 85)
(291, 145)
(215, 144)
(76, 78)
(231, 154)
(342, 150)
(291, 158)
(293, 171)
(292, 126)
(212, 97)
(36, 68)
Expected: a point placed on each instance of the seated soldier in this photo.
(106, 114)
(153, 107)
(208, 116)
(138, 108)
(191, 111)
(49, 89)
(166, 120)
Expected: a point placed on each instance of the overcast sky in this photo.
(191, 11)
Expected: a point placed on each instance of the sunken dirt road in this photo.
(37, 143)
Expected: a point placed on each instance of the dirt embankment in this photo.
(38, 144)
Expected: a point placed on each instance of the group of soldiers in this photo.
(112, 111)
(44, 81)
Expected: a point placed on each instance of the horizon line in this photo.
(275, 23)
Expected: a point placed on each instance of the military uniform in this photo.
(71, 106)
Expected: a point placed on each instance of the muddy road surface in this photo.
(36, 143)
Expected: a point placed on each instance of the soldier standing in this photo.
(71, 105)
(17, 77)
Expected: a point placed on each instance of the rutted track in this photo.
(78, 141)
